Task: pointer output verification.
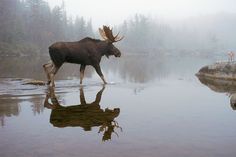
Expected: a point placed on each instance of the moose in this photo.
(85, 115)
(85, 52)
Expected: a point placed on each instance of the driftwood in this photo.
(35, 82)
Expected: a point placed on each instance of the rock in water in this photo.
(224, 70)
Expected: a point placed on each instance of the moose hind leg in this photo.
(47, 68)
(52, 75)
(98, 70)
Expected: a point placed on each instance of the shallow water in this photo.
(151, 107)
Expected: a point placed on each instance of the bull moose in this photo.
(85, 52)
(85, 115)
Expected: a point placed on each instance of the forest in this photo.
(28, 27)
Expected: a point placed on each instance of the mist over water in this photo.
(153, 104)
(36, 25)
(160, 103)
(164, 9)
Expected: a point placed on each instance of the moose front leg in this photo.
(82, 68)
(99, 96)
(82, 98)
(98, 70)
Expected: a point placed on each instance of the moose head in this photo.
(107, 34)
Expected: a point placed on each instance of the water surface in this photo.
(152, 106)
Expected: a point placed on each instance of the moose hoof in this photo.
(52, 86)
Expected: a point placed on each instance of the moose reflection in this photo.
(85, 115)
(222, 86)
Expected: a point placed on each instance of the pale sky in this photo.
(114, 12)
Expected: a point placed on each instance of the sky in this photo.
(114, 12)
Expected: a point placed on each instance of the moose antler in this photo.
(107, 34)
(102, 33)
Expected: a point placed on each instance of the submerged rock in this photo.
(224, 70)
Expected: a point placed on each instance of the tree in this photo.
(28, 27)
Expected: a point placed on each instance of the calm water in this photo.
(151, 107)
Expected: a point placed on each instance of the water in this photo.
(152, 106)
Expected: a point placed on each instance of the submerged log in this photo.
(35, 82)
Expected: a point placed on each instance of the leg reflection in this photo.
(85, 115)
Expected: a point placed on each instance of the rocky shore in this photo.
(223, 70)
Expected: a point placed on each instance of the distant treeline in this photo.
(209, 35)
(28, 27)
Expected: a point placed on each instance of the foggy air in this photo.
(132, 78)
